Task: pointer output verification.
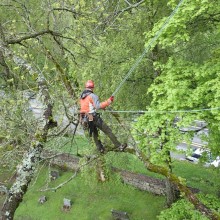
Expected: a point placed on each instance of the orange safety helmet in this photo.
(90, 84)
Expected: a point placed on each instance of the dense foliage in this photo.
(67, 42)
(187, 88)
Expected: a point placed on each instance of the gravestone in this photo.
(66, 204)
(54, 175)
(42, 199)
(119, 215)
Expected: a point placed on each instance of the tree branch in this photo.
(129, 7)
(66, 9)
(72, 177)
(33, 35)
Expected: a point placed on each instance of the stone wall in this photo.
(140, 181)
(143, 182)
(63, 160)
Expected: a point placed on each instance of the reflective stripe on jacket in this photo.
(89, 102)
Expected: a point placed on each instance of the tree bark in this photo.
(6, 73)
(172, 195)
(25, 173)
(26, 170)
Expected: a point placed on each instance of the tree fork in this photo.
(63, 76)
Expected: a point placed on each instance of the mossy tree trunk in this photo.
(171, 193)
(26, 170)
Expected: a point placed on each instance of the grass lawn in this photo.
(73, 145)
(91, 200)
(207, 179)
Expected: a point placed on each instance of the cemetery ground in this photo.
(91, 199)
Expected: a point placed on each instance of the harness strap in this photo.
(86, 120)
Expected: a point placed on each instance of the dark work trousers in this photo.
(98, 123)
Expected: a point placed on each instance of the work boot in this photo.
(100, 147)
(122, 147)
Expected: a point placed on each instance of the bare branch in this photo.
(128, 2)
(5, 5)
(129, 7)
(64, 48)
(62, 184)
(72, 177)
(66, 9)
(34, 35)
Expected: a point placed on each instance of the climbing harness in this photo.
(84, 121)
(153, 40)
(87, 121)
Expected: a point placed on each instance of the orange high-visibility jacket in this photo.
(89, 102)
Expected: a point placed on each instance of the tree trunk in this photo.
(26, 170)
(25, 173)
(172, 195)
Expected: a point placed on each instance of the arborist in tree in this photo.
(89, 103)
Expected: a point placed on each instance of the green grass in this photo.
(95, 200)
(198, 176)
(203, 178)
(92, 200)
(129, 162)
(77, 145)
(206, 179)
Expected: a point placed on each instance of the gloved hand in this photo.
(112, 98)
